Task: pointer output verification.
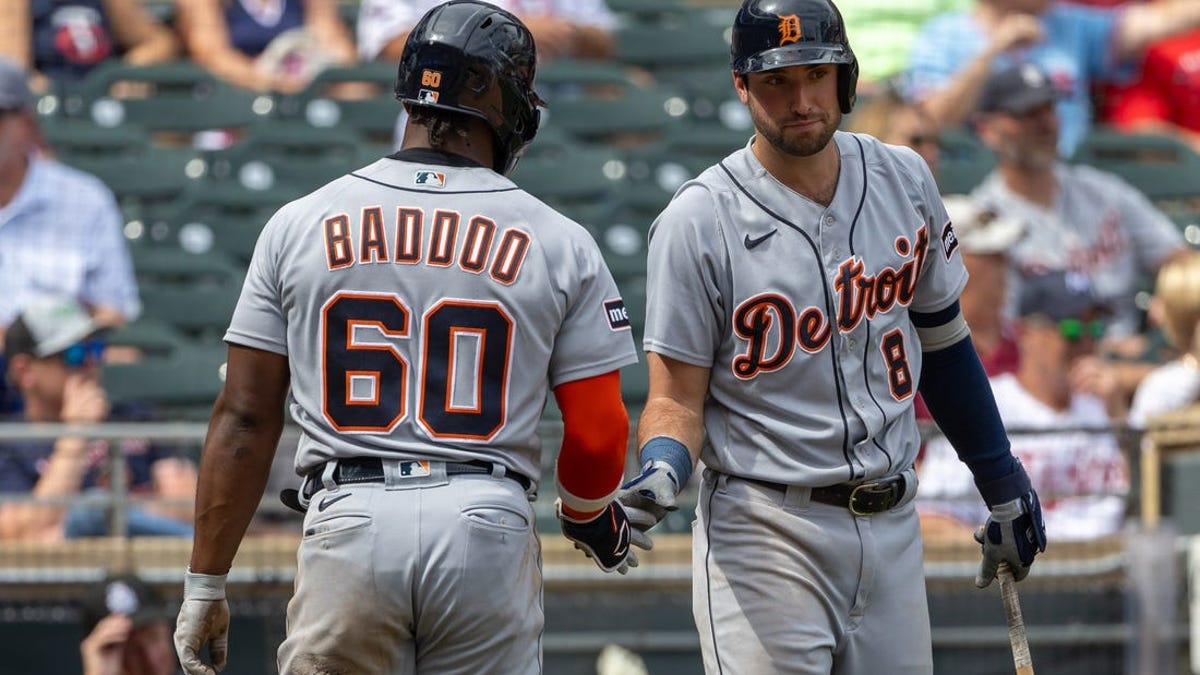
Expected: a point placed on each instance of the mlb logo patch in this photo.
(618, 316)
(433, 179)
(949, 241)
(427, 96)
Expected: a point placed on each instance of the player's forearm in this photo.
(664, 416)
(233, 475)
(591, 462)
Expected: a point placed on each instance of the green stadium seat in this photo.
(624, 110)
(77, 137)
(964, 162)
(183, 384)
(150, 337)
(1163, 167)
(291, 154)
(194, 293)
(143, 179)
(179, 96)
(373, 116)
(570, 175)
(677, 45)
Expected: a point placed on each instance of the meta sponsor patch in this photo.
(618, 316)
(426, 178)
(949, 240)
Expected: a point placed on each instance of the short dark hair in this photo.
(440, 123)
(18, 339)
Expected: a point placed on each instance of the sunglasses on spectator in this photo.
(1076, 329)
(922, 139)
(81, 353)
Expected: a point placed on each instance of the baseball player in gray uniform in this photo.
(420, 308)
(800, 293)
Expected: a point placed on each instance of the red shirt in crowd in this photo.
(1168, 90)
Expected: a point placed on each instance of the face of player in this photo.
(794, 109)
(1026, 141)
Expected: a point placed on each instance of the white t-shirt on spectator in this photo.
(1167, 388)
(1081, 477)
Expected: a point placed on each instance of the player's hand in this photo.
(649, 497)
(203, 620)
(1014, 532)
(103, 650)
(605, 538)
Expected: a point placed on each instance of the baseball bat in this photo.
(1016, 623)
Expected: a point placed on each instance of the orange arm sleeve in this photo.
(591, 462)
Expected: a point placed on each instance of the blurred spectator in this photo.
(1076, 218)
(984, 239)
(1176, 307)
(61, 40)
(265, 45)
(128, 629)
(575, 28)
(54, 349)
(883, 32)
(1077, 46)
(1165, 98)
(60, 229)
(1081, 476)
(890, 118)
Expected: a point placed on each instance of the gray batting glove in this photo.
(203, 621)
(648, 498)
(605, 538)
(1014, 532)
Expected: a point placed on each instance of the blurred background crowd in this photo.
(144, 143)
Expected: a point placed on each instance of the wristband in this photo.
(198, 586)
(671, 451)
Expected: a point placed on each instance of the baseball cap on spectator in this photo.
(49, 325)
(1057, 295)
(123, 594)
(980, 230)
(1016, 90)
(14, 86)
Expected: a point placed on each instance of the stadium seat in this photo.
(149, 337)
(77, 137)
(570, 175)
(372, 113)
(144, 178)
(678, 45)
(290, 154)
(1163, 167)
(181, 385)
(622, 110)
(179, 96)
(194, 293)
(964, 162)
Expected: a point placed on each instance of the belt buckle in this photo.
(854, 496)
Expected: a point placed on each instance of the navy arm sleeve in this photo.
(958, 395)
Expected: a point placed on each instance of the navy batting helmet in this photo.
(770, 34)
(477, 59)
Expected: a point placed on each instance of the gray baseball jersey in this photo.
(425, 311)
(801, 311)
(1100, 226)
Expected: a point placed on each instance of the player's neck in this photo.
(814, 177)
(474, 146)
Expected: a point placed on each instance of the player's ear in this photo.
(739, 85)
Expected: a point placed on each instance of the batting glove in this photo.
(605, 538)
(649, 497)
(1014, 532)
(203, 620)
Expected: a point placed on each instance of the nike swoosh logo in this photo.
(622, 540)
(326, 502)
(752, 243)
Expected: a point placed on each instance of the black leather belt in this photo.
(370, 470)
(862, 499)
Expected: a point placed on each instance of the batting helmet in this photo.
(770, 34)
(477, 59)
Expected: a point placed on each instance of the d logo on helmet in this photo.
(789, 29)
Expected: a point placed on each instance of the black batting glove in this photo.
(1014, 532)
(605, 538)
